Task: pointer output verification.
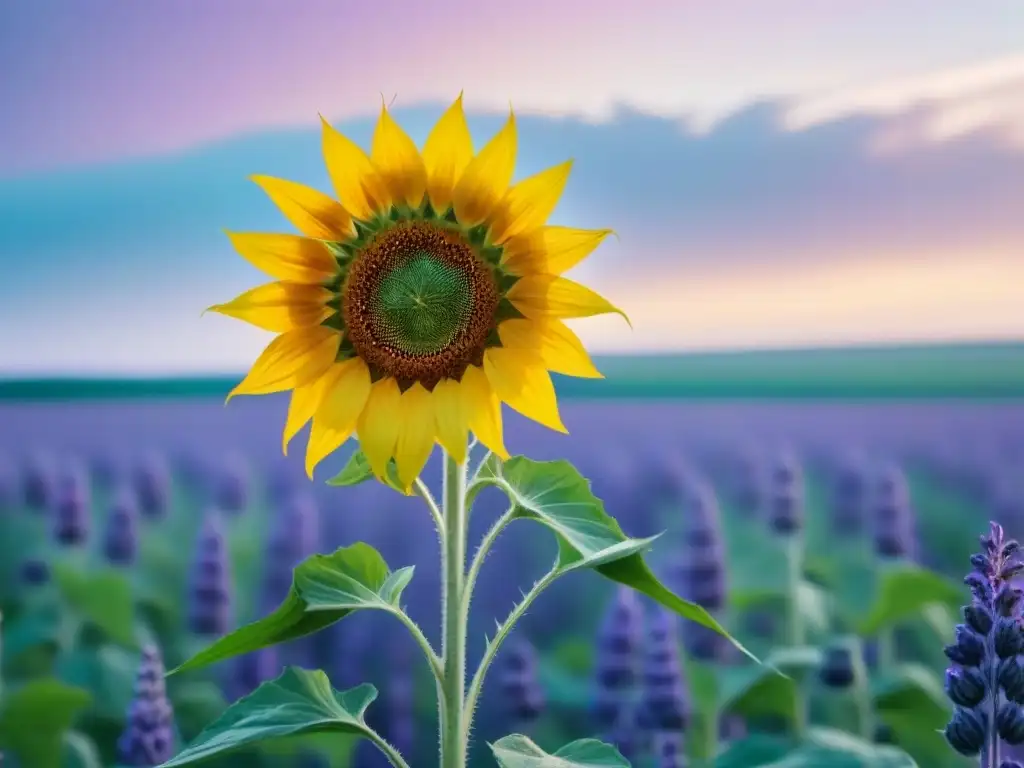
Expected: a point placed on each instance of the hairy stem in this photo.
(424, 493)
(453, 625)
(389, 751)
(421, 640)
(481, 554)
(477, 683)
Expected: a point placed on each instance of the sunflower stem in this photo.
(453, 642)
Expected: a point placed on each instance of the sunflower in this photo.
(428, 293)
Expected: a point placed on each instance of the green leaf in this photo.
(325, 589)
(34, 719)
(357, 471)
(517, 751)
(103, 598)
(756, 749)
(300, 701)
(556, 495)
(903, 593)
(758, 691)
(912, 702)
(838, 749)
(80, 751)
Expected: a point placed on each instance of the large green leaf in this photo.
(838, 749)
(903, 592)
(300, 701)
(756, 749)
(912, 702)
(103, 598)
(556, 495)
(517, 751)
(34, 719)
(759, 691)
(325, 589)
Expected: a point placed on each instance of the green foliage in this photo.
(298, 702)
(357, 470)
(556, 495)
(517, 751)
(910, 700)
(325, 589)
(759, 691)
(823, 747)
(903, 593)
(35, 718)
(102, 598)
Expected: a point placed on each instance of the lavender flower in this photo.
(750, 484)
(665, 704)
(850, 497)
(293, 538)
(986, 679)
(152, 481)
(209, 612)
(401, 705)
(121, 539)
(618, 644)
(104, 470)
(251, 670)
(668, 750)
(518, 681)
(8, 485)
(786, 496)
(701, 569)
(72, 514)
(231, 491)
(35, 572)
(893, 517)
(148, 737)
(38, 481)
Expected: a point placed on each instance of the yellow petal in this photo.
(452, 426)
(355, 179)
(524, 385)
(483, 410)
(551, 250)
(527, 206)
(486, 178)
(379, 425)
(558, 348)
(446, 153)
(290, 360)
(344, 397)
(292, 258)
(416, 438)
(303, 404)
(398, 161)
(323, 441)
(539, 296)
(279, 307)
(312, 212)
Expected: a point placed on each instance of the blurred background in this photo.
(820, 223)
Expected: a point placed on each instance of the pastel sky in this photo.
(780, 172)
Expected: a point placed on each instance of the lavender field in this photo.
(832, 539)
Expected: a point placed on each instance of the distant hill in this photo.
(921, 371)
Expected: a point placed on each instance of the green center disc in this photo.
(422, 305)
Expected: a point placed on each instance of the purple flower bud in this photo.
(152, 481)
(72, 516)
(231, 490)
(617, 656)
(668, 749)
(35, 572)
(121, 538)
(518, 681)
(294, 535)
(851, 497)
(251, 670)
(209, 612)
(38, 482)
(666, 705)
(786, 496)
(148, 737)
(894, 517)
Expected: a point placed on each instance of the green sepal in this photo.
(357, 471)
(507, 311)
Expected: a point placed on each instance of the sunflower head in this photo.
(428, 293)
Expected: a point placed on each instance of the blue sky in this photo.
(880, 200)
